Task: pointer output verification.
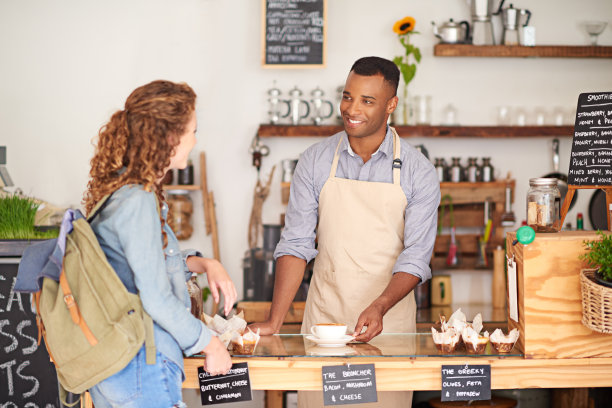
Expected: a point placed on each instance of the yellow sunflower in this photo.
(404, 25)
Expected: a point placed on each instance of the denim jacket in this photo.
(129, 232)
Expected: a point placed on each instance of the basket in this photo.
(596, 303)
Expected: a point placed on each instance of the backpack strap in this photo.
(73, 308)
(149, 339)
(100, 205)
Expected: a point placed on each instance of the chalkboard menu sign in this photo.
(591, 158)
(466, 382)
(349, 384)
(293, 33)
(27, 376)
(231, 387)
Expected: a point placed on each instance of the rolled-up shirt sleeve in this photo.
(420, 222)
(298, 236)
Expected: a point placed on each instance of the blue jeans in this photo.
(140, 385)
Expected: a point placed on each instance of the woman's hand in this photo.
(218, 279)
(218, 360)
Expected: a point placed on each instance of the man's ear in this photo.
(392, 104)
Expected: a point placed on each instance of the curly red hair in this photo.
(136, 145)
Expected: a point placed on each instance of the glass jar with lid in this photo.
(180, 210)
(543, 205)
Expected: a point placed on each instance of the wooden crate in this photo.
(549, 298)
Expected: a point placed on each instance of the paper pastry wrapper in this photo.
(504, 343)
(232, 331)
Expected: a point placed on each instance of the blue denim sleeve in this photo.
(139, 231)
(299, 233)
(420, 222)
(186, 253)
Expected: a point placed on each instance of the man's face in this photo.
(367, 102)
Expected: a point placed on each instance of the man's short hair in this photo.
(368, 66)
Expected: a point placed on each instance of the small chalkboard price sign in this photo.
(349, 384)
(231, 387)
(293, 33)
(591, 158)
(466, 382)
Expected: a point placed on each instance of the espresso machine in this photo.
(482, 27)
(259, 267)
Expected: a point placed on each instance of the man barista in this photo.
(371, 201)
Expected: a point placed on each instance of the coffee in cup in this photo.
(329, 330)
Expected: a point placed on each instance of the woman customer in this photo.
(153, 133)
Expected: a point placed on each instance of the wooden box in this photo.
(549, 298)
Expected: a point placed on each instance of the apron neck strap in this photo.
(397, 163)
(332, 172)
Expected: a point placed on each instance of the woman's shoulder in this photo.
(130, 198)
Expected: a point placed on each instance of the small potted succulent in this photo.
(599, 255)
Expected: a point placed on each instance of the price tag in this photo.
(349, 384)
(231, 387)
(466, 382)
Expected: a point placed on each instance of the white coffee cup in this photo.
(329, 330)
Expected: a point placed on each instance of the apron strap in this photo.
(397, 163)
(334, 167)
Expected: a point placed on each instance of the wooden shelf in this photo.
(517, 51)
(182, 187)
(424, 131)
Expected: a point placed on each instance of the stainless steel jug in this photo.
(511, 18)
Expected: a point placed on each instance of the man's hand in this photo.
(218, 360)
(372, 319)
(265, 328)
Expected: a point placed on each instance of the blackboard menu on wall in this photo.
(293, 33)
(591, 158)
(27, 376)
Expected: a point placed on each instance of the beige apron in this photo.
(360, 235)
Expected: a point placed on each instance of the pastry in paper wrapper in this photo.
(245, 343)
(474, 343)
(232, 331)
(446, 341)
(504, 343)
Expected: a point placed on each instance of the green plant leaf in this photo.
(417, 54)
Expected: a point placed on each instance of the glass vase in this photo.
(404, 113)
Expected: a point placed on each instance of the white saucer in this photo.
(340, 342)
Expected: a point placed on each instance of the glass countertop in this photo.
(384, 345)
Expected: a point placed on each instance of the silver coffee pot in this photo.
(482, 27)
(511, 18)
(275, 102)
(317, 106)
(295, 103)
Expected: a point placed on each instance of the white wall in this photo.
(67, 65)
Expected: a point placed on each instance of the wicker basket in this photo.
(596, 303)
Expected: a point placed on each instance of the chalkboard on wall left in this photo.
(27, 376)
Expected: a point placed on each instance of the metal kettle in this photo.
(451, 32)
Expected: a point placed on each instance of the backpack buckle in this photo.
(69, 300)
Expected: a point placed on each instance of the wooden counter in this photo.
(404, 362)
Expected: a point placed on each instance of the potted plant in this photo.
(596, 284)
(599, 256)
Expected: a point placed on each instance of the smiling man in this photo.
(370, 199)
